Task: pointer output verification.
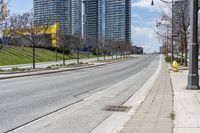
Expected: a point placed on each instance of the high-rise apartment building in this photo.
(91, 21)
(76, 17)
(66, 12)
(108, 19)
(118, 19)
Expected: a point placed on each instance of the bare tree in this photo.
(32, 32)
(116, 48)
(127, 48)
(64, 43)
(104, 50)
(8, 28)
(6, 22)
(110, 44)
(76, 43)
(183, 32)
(94, 41)
(180, 29)
(120, 46)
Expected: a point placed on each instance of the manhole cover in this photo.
(118, 108)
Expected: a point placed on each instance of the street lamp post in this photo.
(172, 38)
(193, 77)
(172, 41)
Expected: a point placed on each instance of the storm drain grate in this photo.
(118, 108)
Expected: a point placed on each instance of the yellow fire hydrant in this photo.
(175, 66)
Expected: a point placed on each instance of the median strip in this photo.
(35, 73)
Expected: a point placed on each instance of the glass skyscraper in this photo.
(76, 17)
(117, 19)
(91, 21)
(108, 19)
(66, 12)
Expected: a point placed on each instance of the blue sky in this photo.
(20, 6)
(143, 21)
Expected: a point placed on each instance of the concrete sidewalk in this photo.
(154, 114)
(186, 104)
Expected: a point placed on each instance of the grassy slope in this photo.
(23, 55)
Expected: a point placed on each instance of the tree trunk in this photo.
(182, 51)
(167, 51)
(33, 48)
(185, 40)
(77, 56)
(56, 54)
(112, 55)
(186, 52)
(63, 56)
(97, 54)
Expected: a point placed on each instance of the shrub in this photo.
(168, 59)
(15, 69)
(49, 67)
(178, 59)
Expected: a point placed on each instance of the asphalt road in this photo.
(24, 100)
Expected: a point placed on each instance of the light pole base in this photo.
(193, 82)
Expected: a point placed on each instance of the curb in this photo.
(56, 71)
(170, 69)
(116, 122)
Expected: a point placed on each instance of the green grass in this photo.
(13, 55)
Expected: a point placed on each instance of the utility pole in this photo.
(167, 39)
(172, 41)
(193, 77)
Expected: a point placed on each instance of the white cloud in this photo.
(151, 22)
(145, 37)
(146, 32)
